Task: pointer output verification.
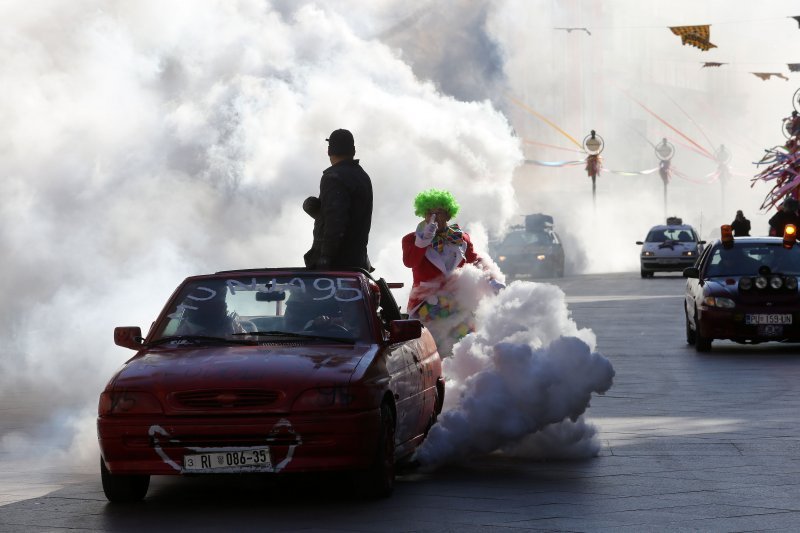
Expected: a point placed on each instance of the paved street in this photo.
(691, 442)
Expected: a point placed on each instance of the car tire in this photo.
(691, 336)
(123, 488)
(646, 273)
(378, 480)
(701, 343)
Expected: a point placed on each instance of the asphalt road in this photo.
(691, 442)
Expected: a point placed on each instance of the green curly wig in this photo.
(435, 199)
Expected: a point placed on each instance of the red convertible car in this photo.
(273, 371)
(744, 290)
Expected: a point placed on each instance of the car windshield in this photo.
(518, 239)
(671, 234)
(257, 307)
(744, 259)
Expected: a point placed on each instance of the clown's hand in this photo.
(496, 285)
(426, 237)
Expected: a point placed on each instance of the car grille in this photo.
(224, 399)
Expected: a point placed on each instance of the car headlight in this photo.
(128, 403)
(541, 257)
(501, 258)
(719, 301)
(761, 282)
(689, 253)
(324, 398)
(648, 254)
(776, 282)
(745, 284)
(791, 283)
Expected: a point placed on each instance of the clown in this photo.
(435, 253)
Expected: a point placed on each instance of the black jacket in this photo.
(741, 228)
(779, 221)
(344, 217)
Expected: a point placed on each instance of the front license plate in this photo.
(770, 330)
(768, 319)
(209, 462)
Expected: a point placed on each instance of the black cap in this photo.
(341, 142)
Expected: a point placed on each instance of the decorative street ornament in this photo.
(664, 152)
(593, 144)
(783, 162)
(767, 75)
(697, 36)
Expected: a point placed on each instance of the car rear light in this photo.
(791, 283)
(128, 403)
(726, 235)
(789, 235)
(325, 398)
(776, 282)
(745, 284)
(761, 282)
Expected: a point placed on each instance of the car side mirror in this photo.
(639, 242)
(128, 337)
(404, 330)
(701, 242)
(691, 272)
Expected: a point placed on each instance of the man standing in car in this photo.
(343, 211)
(740, 225)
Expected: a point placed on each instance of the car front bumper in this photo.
(530, 267)
(309, 443)
(673, 264)
(730, 324)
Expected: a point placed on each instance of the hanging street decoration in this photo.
(593, 144)
(767, 75)
(665, 152)
(783, 170)
(570, 30)
(697, 36)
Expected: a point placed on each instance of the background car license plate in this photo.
(770, 330)
(258, 457)
(768, 319)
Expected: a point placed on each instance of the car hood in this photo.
(231, 367)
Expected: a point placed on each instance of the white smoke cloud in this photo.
(145, 142)
(526, 367)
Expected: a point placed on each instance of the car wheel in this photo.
(691, 337)
(378, 480)
(123, 488)
(646, 274)
(701, 343)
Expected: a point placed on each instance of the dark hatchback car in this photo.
(744, 290)
(270, 371)
(531, 251)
